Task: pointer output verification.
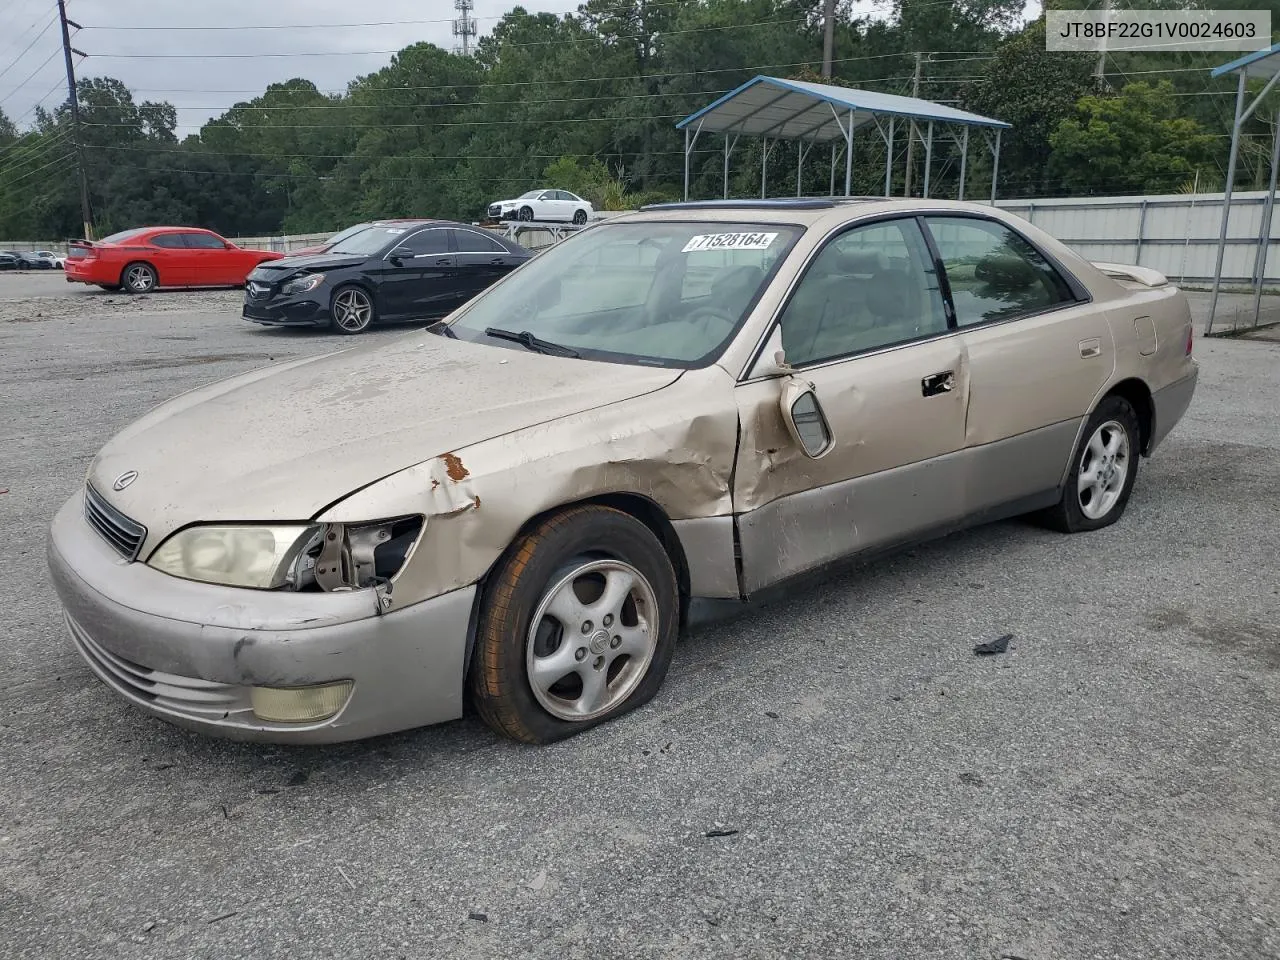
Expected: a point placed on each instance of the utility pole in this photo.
(1100, 71)
(911, 131)
(828, 36)
(75, 117)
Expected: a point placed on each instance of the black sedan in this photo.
(408, 270)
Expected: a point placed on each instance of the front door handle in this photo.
(938, 383)
(442, 262)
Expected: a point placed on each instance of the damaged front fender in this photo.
(674, 446)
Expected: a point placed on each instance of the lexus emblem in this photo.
(125, 479)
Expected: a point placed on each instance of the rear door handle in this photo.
(1090, 348)
(498, 261)
(938, 383)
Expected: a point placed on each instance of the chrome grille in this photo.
(124, 535)
(495, 210)
(258, 290)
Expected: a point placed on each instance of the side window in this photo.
(170, 241)
(428, 242)
(870, 287)
(203, 241)
(994, 274)
(470, 241)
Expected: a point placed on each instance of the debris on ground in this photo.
(771, 715)
(539, 881)
(482, 917)
(998, 645)
(721, 833)
(972, 779)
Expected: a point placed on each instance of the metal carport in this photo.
(817, 113)
(1260, 63)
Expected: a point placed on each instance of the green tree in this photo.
(1133, 142)
(1046, 92)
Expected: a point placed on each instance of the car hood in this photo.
(275, 269)
(286, 441)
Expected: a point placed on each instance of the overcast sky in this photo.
(192, 69)
(204, 86)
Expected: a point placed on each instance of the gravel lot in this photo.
(1107, 789)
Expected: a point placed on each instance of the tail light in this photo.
(1190, 339)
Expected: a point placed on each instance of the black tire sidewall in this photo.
(1120, 410)
(523, 211)
(580, 217)
(587, 532)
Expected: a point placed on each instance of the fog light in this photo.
(299, 704)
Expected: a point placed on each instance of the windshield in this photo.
(343, 234)
(531, 195)
(122, 235)
(657, 293)
(368, 241)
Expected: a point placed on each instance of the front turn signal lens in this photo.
(299, 704)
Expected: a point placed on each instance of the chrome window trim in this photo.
(754, 356)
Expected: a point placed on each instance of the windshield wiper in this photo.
(443, 329)
(530, 342)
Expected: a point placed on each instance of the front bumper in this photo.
(190, 652)
(300, 311)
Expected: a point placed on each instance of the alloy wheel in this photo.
(591, 639)
(1104, 468)
(352, 310)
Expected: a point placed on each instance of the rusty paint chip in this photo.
(454, 468)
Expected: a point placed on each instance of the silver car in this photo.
(516, 506)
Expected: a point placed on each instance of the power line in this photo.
(593, 38)
(532, 83)
(31, 173)
(28, 47)
(30, 76)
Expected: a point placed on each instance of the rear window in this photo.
(122, 236)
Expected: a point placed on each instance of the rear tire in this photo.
(580, 217)
(139, 278)
(578, 626)
(351, 310)
(1104, 468)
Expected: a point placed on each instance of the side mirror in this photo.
(399, 255)
(804, 418)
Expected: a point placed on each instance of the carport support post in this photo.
(728, 149)
(1226, 202)
(686, 164)
(995, 165)
(848, 158)
(764, 166)
(888, 158)
(928, 157)
(1264, 235)
(964, 158)
(833, 168)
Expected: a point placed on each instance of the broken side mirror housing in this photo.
(805, 419)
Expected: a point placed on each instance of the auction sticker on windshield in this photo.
(730, 241)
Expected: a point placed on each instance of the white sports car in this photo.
(543, 205)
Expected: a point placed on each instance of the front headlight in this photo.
(303, 284)
(260, 556)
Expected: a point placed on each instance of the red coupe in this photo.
(142, 259)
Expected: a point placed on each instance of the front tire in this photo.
(1104, 468)
(139, 278)
(525, 214)
(578, 626)
(351, 310)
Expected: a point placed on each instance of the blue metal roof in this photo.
(797, 109)
(1256, 64)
